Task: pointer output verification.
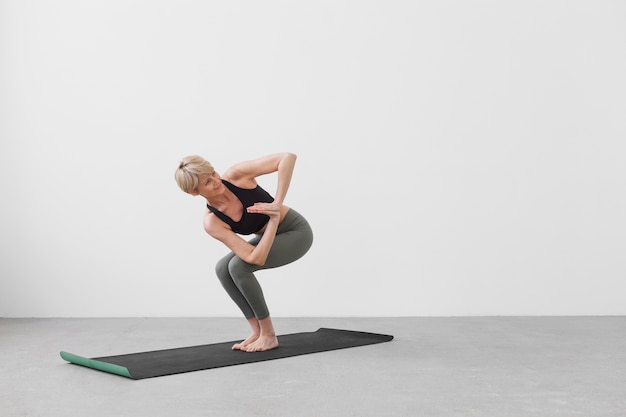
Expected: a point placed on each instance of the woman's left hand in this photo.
(270, 209)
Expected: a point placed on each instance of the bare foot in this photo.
(243, 345)
(262, 344)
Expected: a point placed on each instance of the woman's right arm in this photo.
(255, 255)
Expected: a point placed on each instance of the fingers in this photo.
(263, 208)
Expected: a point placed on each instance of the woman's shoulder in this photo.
(239, 178)
(213, 225)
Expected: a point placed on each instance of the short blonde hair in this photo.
(189, 170)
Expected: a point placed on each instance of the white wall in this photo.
(455, 157)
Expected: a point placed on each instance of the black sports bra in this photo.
(250, 222)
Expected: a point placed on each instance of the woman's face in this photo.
(208, 185)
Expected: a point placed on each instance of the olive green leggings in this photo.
(293, 239)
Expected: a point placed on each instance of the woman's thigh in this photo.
(290, 245)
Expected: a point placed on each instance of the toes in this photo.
(251, 348)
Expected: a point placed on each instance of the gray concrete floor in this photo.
(479, 366)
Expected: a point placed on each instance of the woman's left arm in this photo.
(285, 171)
(244, 173)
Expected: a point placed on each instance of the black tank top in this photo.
(250, 222)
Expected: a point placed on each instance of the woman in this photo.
(237, 205)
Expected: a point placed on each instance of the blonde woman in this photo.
(237, 205)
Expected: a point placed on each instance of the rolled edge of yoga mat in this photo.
(98, 365)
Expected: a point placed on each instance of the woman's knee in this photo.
(221, 269)
(238, 268)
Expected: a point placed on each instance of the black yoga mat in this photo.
(195, 358)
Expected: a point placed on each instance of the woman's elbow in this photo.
(290, 156)
(255, 260)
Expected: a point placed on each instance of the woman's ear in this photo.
(193, 192)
